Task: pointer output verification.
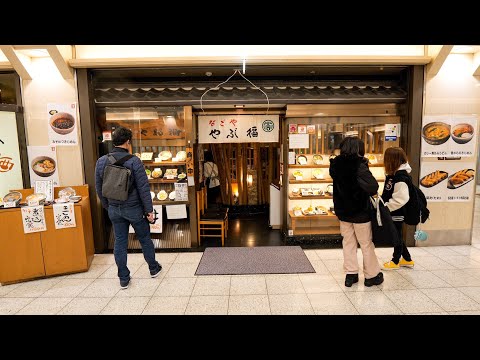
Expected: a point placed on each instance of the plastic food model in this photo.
(156, 173)
(297, 173)
(171, 196)
(162, 195)
(148, 172)
(181, 155)
(317, 159)
(36, 197)
(182, 176)
(317, 174)
(13, 196)
(302, 160)
(165, 155)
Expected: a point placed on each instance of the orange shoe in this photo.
(404, 262)
(391, 265)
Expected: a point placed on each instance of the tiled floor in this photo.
(446, 280)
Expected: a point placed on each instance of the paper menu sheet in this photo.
(176, 211)
(298, 141)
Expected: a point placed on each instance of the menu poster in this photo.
(433, 184)
(460, 184)
(44, 187)
(292, 129)
(62, 124)
(33, 219)
(181, 192)
(310, 129)
(64, 216)
(42, 163)
(176, 211)
(10, 165)
(449, 135)
(154, 228)
(299, 141)
(302, 129)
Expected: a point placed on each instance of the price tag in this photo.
(146, 156)
(170, 177)
(297, 212)
(33, 203)
(298, 177)
(9, 204)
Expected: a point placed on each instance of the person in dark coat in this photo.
(137, 210)
(353, 184)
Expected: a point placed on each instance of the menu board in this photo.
(448, 181)
(10, 165)
(176, 212)
(64, 216)
(181, 192)
(449, 135)
(62, 124)
(42, 162)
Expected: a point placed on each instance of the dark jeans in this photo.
(121, 217)
(400, 250)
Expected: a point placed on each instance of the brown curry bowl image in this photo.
(436, 133)
(62, 123)
(43, 166)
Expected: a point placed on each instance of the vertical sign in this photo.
(33, 219)
(391, 132)
(10, 166)
(190, 171)
(181, 192)
(62, 124)
(64, 216)
(42, 162)
(44, 187)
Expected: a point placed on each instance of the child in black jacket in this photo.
(396, 195)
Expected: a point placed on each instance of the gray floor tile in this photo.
(394, 281)
(311, 255)
(175, 305)
(187, 258)
(125, 306)
(112, 271)
(85, 306)
(34, 288)
(284, 284)
(424, 279)
(248, 305)
(418, 251)
(330, 254)
(207, 305)
(103, 259)
(373, 303)
(10, 306)
(135, 258)
(477, 312)
(472, 292)
(432, 263)
(457, 277)
(175, 287)
(335, 266)
(5, 289)
(94, 272)
(100, 288)
(290, 304)
(466, 250)
(143, 272)
(248, 285)
(182, 270)
(320, 267)
(450, 299)
(313, 283)
(357, 287)
(166, 258)
(67, 288)
(462, 262)
(45, 306)
(212, 285)
(332, 304)
(140, 287)
(440, 251)
(412, 301)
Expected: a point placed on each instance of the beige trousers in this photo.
(361, 233)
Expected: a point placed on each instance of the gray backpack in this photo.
(116, 179)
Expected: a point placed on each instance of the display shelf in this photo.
(311, 197)
(170, 202)
(323, 166)
(163, 181)
(312, 217)
(310, 181)
(163, 163)
(329, 230)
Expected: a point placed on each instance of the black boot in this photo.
(377, 280)
(351, 279)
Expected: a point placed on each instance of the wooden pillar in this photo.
(191, 141)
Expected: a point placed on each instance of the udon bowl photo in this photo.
(436, 133)
(62, 123)
(43, 166)
(462, 133)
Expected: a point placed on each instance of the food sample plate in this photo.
(148, 172)
(171, 196)
(152, 194)
(181, 155)
(371, 158)
(433, 179)
(317, 174)
(317, 159)
(165, 155)
(182, 176)
(460, 178)
(162, 195)
(302, 160)
(156, 173)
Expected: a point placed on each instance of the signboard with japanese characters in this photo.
(392, 132)
(181, 192)
(62, 124)
(33, 219)
(10, 167)
(449, 135)
(446, 181)
(44, 187)
(238, 128)
(42, 163)
(64, 216)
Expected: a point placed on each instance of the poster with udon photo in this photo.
(433, 178)
(460, 183)
(62, 124)
(154, 228)
(463, 137)
(42, 163)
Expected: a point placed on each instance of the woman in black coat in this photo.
(353, 183)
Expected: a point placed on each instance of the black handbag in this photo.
(383, 228)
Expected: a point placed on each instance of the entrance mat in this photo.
(254, 260)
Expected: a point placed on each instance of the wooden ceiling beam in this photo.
(60, 55)
(436, 64)
(476, 64)
(16, 61)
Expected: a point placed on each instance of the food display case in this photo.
(159, 141)
(311, 143)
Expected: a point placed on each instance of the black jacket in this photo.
(353, 183)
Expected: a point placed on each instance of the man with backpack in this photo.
(122, 186)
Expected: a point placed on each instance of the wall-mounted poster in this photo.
(310, 129)
(292, 129)
(10, 166)
(448, 181)
(42, 162)
(449, 135)
(62, 124)
(302, 129)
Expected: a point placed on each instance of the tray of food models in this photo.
(433, 178)
(317, 159)
(311, 192)
(297, 174)
(315, 210)
(13, 197)
(317, 174)
(460, 178)
(301, 160)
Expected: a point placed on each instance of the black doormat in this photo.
(254, 260)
